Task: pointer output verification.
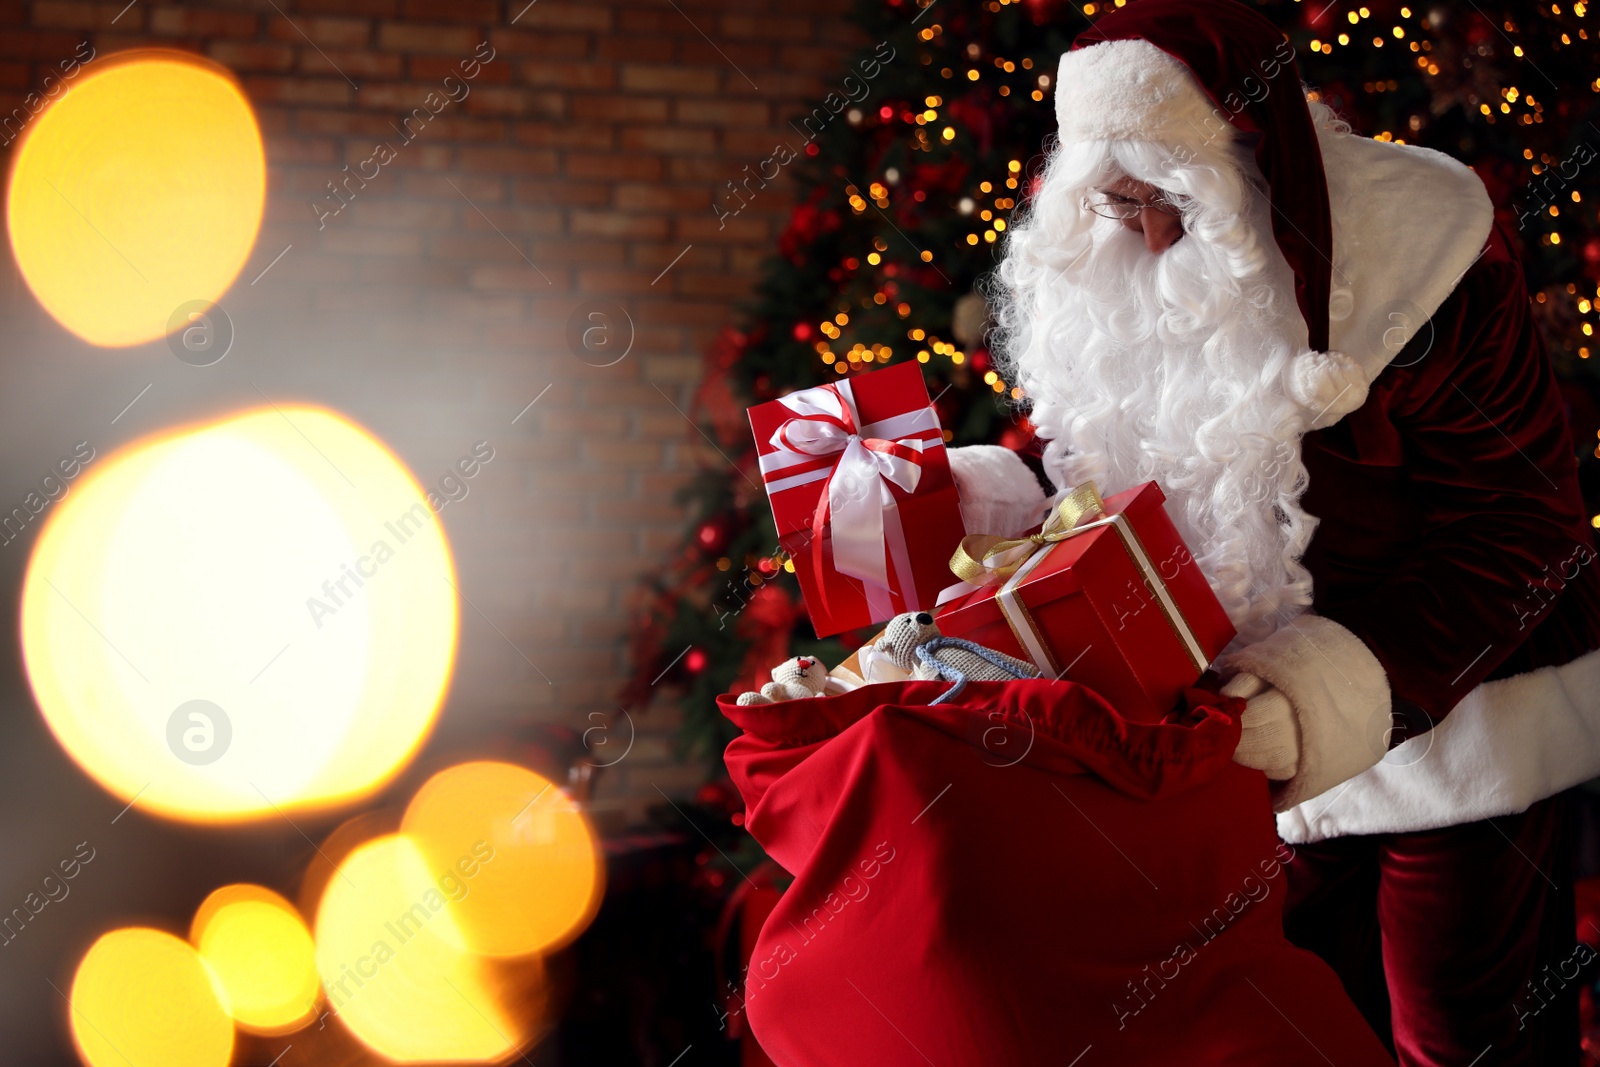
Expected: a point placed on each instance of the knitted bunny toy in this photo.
(913, 642)
(793, 679)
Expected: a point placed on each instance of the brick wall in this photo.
(432, 306)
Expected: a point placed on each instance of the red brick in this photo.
(765, 27)
(370, 8)
(566, 75)
(409, 271)
(563, 135)
(399, 96)
(798, 57)
(298, 90)
(487, 247)
(507, 161)
(246, 56)
(668, 139)
(325, 33)
(288, 150)
(618, 108)
(356, 64)
(567, 252)
(723, 113)
(755, 145)
(587, 194)
(435, 40)
(654, 197)
(360, 241)
(346, 122)
(520, 277)
(654, 20)
(525, 43)
(637, 49)
(699, 168)
(670, 79)
(554, 14)
(490, 100)
(446, 126)
(181, 21)
(75, 15)
(696, 283)
(43, 45)
(484, 11)
(437, 68)
(610, 166)
(425, 215)
(465, 187)
(729, 230)
(747, 56)
(617, 224)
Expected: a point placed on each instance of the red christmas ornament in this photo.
(802, 331)
(1591, 257)
(695, 661)
(980, 360)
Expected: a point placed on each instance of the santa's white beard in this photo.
(1171, 368)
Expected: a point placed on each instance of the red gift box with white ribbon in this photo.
(861, 490)
(1106, 594)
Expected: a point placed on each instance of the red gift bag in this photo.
(1107, 595)
(1024, 877)
(861, 491)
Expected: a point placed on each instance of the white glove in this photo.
(1270, 739)
(999, 494)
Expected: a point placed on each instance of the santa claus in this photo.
(1320, 345)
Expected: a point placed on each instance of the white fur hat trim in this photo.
(1132, 91)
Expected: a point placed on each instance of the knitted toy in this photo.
(793, 679)
(913, 642)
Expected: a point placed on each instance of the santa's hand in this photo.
(1334, 713)
(1269, 740)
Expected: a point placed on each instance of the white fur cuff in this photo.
(1508, 744)
(999, 494)
(1329, 385)
(1340, 696)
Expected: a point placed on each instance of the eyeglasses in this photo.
(1123, 208)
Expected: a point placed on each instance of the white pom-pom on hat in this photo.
(1329, 385)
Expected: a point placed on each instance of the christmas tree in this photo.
(903, 192)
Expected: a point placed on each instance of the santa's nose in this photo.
(1161, 229)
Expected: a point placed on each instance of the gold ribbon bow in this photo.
(983, 559)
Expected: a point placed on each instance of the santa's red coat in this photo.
(1453, 538)
(1023, 878)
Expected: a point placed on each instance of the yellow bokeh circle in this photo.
(136, 192)
(260, 956)
(142, 997)
(243, 618)
(524, 861)
(391, 971)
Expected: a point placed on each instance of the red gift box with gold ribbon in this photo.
(861, 490)
(1106, 594)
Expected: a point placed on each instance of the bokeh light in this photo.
(386, 951)
(142, 998)
(261, 957)
(527, 865)
(136, 192)
(241, 619)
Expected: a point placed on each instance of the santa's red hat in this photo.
(1183, 73)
